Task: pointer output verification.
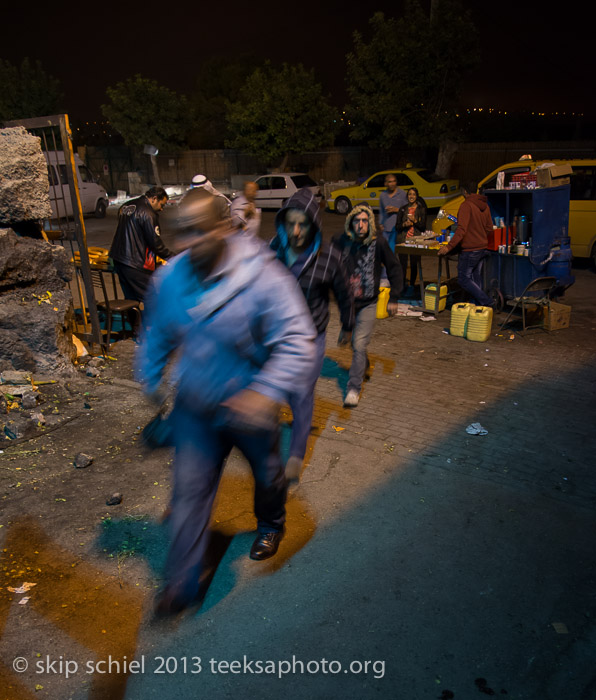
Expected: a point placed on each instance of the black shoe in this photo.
(266, 545)
(168, 604)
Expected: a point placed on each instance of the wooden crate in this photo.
(558, 316)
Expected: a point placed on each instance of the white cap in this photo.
(200, 181)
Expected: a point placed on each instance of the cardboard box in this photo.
(558, 316)
(553, 176)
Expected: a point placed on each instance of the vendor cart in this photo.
(533, 241)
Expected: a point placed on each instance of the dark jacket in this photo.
(137, 240)
(419, 220)
(474, 223)
(353, 250)
(319, 269)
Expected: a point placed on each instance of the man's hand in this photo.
(250, 411)
(392, 210)
(158, 396)
(392, 308)
(443, 250)
(344, 337)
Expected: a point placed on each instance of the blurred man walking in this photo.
(244, 211)
(243, 337)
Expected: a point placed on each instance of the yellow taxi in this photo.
(582, 204)
(433, 189)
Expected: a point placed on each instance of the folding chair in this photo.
(536, 295)
(112, 306)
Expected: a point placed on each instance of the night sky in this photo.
(535, 55)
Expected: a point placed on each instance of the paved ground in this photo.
(420, 562)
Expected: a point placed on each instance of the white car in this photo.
(274, 189)
(94, 198)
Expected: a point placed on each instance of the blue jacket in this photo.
(246, 326)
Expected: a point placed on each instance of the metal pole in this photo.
(79, 225)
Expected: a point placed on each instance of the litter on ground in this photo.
(476, 429)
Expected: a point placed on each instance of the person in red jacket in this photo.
(474, 222)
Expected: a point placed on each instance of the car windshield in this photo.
(429, 176)
(303, 181)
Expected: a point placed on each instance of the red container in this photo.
(496, 238)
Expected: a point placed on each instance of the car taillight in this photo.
(443, 189)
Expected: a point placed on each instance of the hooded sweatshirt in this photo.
(363, 260)
(318, 269)
(474, 223)
(230, 330)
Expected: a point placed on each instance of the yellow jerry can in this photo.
(480, 322)
(382, 302)
(459, 319)
(430, 294)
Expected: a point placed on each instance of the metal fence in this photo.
(472, 161)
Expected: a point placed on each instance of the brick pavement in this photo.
(533, 393)
(449, 555)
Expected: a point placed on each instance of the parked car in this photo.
(274, 189)
(582, 204)
(94, 198)
(433, 189)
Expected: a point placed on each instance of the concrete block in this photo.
(24, 186)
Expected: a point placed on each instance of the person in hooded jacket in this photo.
(474, 223)
(238, 354)
(318, 268)
(363, 254)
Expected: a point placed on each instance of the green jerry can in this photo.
(459, 319)
(480, 322)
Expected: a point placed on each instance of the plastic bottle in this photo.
(522, 229)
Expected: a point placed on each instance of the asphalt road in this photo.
(101, 231)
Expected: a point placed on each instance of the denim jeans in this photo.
(201, 450)
(390, 237)
(469, 275)
(363, 330)
(302, 403)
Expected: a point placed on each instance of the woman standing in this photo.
(411, 221)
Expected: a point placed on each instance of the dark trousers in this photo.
(469, 275)
(201, 450)
(134, 282)
(302, 402)
(414, 260)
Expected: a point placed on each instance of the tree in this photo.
(27, 91)
(146, 113)
(218, 82)
(404, 82)
(280, 112)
